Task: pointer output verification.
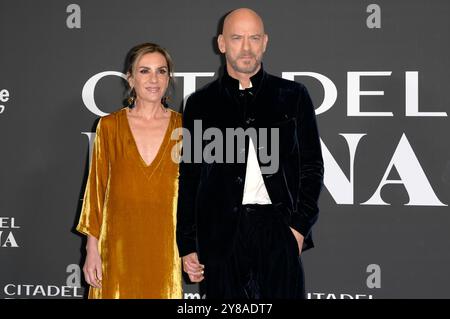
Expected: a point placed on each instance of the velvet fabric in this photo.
(131, 208)
(265, 261)
(210, 193)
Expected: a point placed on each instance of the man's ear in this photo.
(266, 39)
(221, 43)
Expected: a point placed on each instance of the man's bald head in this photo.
(242, 15)
(243, 42)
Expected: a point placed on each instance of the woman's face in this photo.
(150, 77)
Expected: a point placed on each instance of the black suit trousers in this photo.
(265, 261)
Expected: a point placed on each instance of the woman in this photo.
(129, 208)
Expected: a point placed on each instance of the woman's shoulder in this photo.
(112, 118)
(176, 115)
(110, 121)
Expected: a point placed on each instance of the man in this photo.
(240, 229)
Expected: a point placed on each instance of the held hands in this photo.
(92, 268)
(299, 238)
(193, 268)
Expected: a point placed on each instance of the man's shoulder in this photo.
(280, 83)
(206, 91)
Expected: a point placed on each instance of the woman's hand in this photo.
(92, 268)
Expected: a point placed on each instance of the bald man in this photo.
(241, 229)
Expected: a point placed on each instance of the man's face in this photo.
(243, 42)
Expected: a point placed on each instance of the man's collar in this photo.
(233, 83)
(242, 88)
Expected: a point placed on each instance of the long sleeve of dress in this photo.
(90, 221)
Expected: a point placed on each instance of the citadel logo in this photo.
(309, 295)
(373, 281)
(330, 295)
(330, 91)
(4, 97)
(72, 289)
(7, 228)
(411, 174)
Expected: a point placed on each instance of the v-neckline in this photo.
(162, 146)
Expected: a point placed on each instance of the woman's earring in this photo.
(130, 101)
(165, 100)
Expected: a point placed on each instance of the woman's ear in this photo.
(130, 80)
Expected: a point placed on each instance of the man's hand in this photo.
(299, 238)
(193, 268)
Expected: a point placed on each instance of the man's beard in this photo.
(248, 69)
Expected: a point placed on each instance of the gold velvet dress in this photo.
(131, 208)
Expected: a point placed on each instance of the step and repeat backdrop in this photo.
(378, 73)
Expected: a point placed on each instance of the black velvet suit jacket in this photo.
(210, 194)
